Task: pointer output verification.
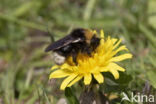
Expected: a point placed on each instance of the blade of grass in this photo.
(150, 36)
(23, 22)
(23, 9)
(88, 9)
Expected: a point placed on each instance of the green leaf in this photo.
(152, 21)
(152, 78)
(152, 7)
(110, 82)
(70, 96)
(148, 33)
(23, 9)
(112, 85)
(124, 78)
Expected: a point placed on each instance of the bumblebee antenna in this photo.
(51, 35)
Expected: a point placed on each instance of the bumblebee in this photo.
(79, 40)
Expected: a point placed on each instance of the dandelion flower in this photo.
(102, 60)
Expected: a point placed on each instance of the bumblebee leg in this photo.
(74, 56)
(87, 50)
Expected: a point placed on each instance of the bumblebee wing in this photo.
(62, 42)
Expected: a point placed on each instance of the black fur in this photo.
(74, 43)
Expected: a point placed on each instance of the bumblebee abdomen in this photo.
(58, 59)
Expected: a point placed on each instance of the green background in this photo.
(24, 25)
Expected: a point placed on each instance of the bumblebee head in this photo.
(89, 35)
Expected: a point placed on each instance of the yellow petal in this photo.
(75, 80)
(123, 47)
(115, 73)
(102, 34)
(121, 57)
(99, 77)
(104, 69)
(114, 40)
(102, 38)
(58, 74)
(120, 49)
(87, 79)
(64, 66)
(116, 67)
(108, 44)
(117, 43)
(96, 69)
(54, 67)
(67, 81)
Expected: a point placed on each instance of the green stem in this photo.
(88, 9)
